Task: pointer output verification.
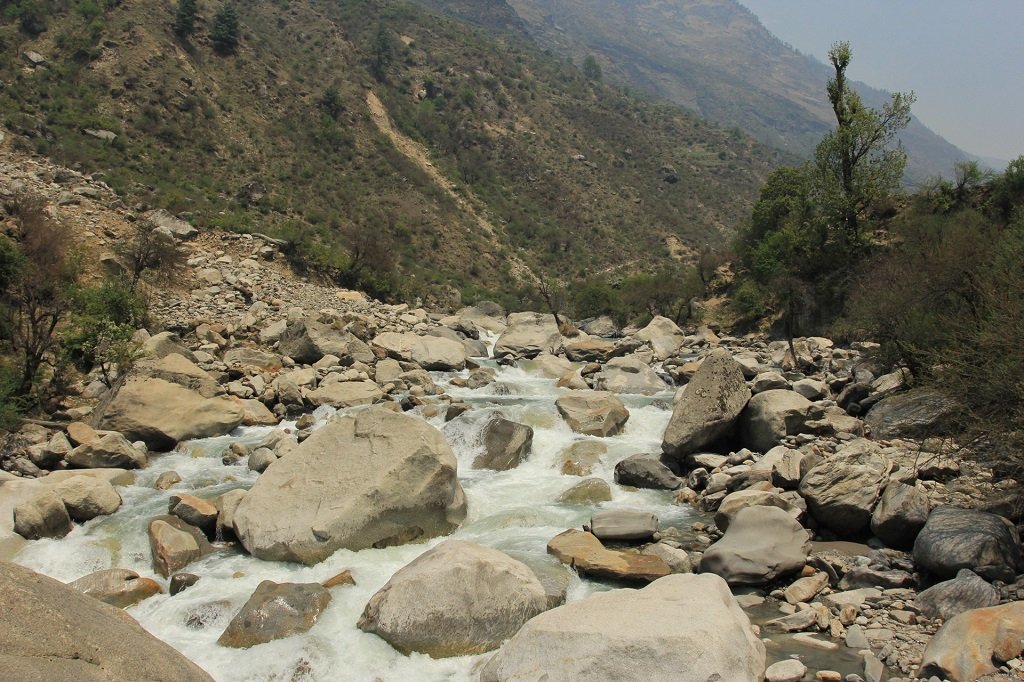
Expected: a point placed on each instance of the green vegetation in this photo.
(224, 30)
(185, 18)
(592, 69)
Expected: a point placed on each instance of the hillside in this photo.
(715, 58)
(466, 158)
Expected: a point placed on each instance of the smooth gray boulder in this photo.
(841, 492)
(87, 497)
(275, 611)
(161, 414)
(953, 539)
(110, 451)
(429, 352)
(646, 471)
(732, 503)
(900, 515)
(341, 394)
(43, 515)
(599, 637)
(310, 339)
(770, 416)
(506, 444)
(762, 544)
(710, 404)
(456, 599)
(50, 631)
(373, 479)
(623, 525)
(918, 412)
(629, 375)
(528, 335)
(952, 597)
(593, 413)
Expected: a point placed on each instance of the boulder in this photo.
(768, 381)
(118, 587)
(429, 352)
(900, 515)
(49, 631)
(585, 553)
(969, 646)
(174, 544)
(646, 471)
(166, 343)
(953, 539)
(629, 375)
(275, 611)
(551, 366)
(762, 544)
(456, 599)
(677, 559)
(590, 349)
(918, 412)
(623, 525)
(580, 458)
(789, 670)
(43, 515)
(602, 326)
(176, 227)
(602, 636)
(506, 444)
(732, 503)
(161, 414)
(593, 413)
(341, 394)
(587, 492)
(194, 511)
(308, 340)
(709, 406)
(373, 479)
(770, 416)
(805, 589)
(841, 492)
(111, 451)
(949, 598)
(87, 497)
(528, 335)
(253, 359)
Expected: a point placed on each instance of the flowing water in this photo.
(514, 511)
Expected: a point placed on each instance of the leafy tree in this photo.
(592, 69)
(185, 18)
(383, 52)
(331, 102)
(224, 32)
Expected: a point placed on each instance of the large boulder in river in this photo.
(506, 444)
(841, 492)
(646, 471)
(457, 599)
(771, 416)
(919, 412)
(762, 545)
(967, 647)
(118, 587)
(373, 479)
(593, 413)
(528, 335)
(709, 406)
(954, 538)
(629, 375)
(161, 414)
(900, 515)
(111, 451)
(310, 339)
(584, 552)
(275, 611)
(598, 638)
(42, 515)
(429, 352)
(50, 631)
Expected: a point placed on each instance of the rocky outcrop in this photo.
(87, 497)
(49, 631)
(593, 413)
(900, 515)
(954, 539)
(598, 638)
(710, 404)
(457, 599)
(761, 545)
(42, 515)
(275, 611)
(771, 416)
(374, 479)
(161, 414)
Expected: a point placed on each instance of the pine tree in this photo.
(224, 32)
(185, 18)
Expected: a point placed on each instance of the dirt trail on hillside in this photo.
(416, 153)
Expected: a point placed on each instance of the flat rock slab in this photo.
(584, 552)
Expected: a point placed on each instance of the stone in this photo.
(768, 381)
(308, 340)
(343, 578)
(342, 394)
(456, 599)
(856, 598)
(181, 582)
(580, 458)
(179, 228)
(770, 416)
(799, 621)
(194, 511)
(42, 516)
(629, 375)
(227, 504)
(585, 553)
(275, 611)
(762, 544)
(841, 492)
(429, 352)
(900, 515)
(953, 539)
(741, 499)
(86, 497)
(593, 413)
(709, 407)
(260, 459)
(167, 479)
(590, 349)
(805, 589)
(163, 344)
(528, 335)
(599, 637)
(789, 670)
(253, 359)
(966, 647)
(80, 433)
(918, 412)
(118, 587)
(952, 597)
(174, 544)
(112, 451)
(373, 479)
(812, 389)
(50, 631)
(161, 414)
(620, 525)
(867, 576)
(506, 444)
(586, 492)
(677, 559)
(646, 471)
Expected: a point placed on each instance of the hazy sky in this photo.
(963, 58)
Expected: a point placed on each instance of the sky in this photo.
(964, 59)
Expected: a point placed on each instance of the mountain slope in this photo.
(279, 138)
(715, 57)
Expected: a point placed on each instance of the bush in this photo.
(224, 31)
(99, 333)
